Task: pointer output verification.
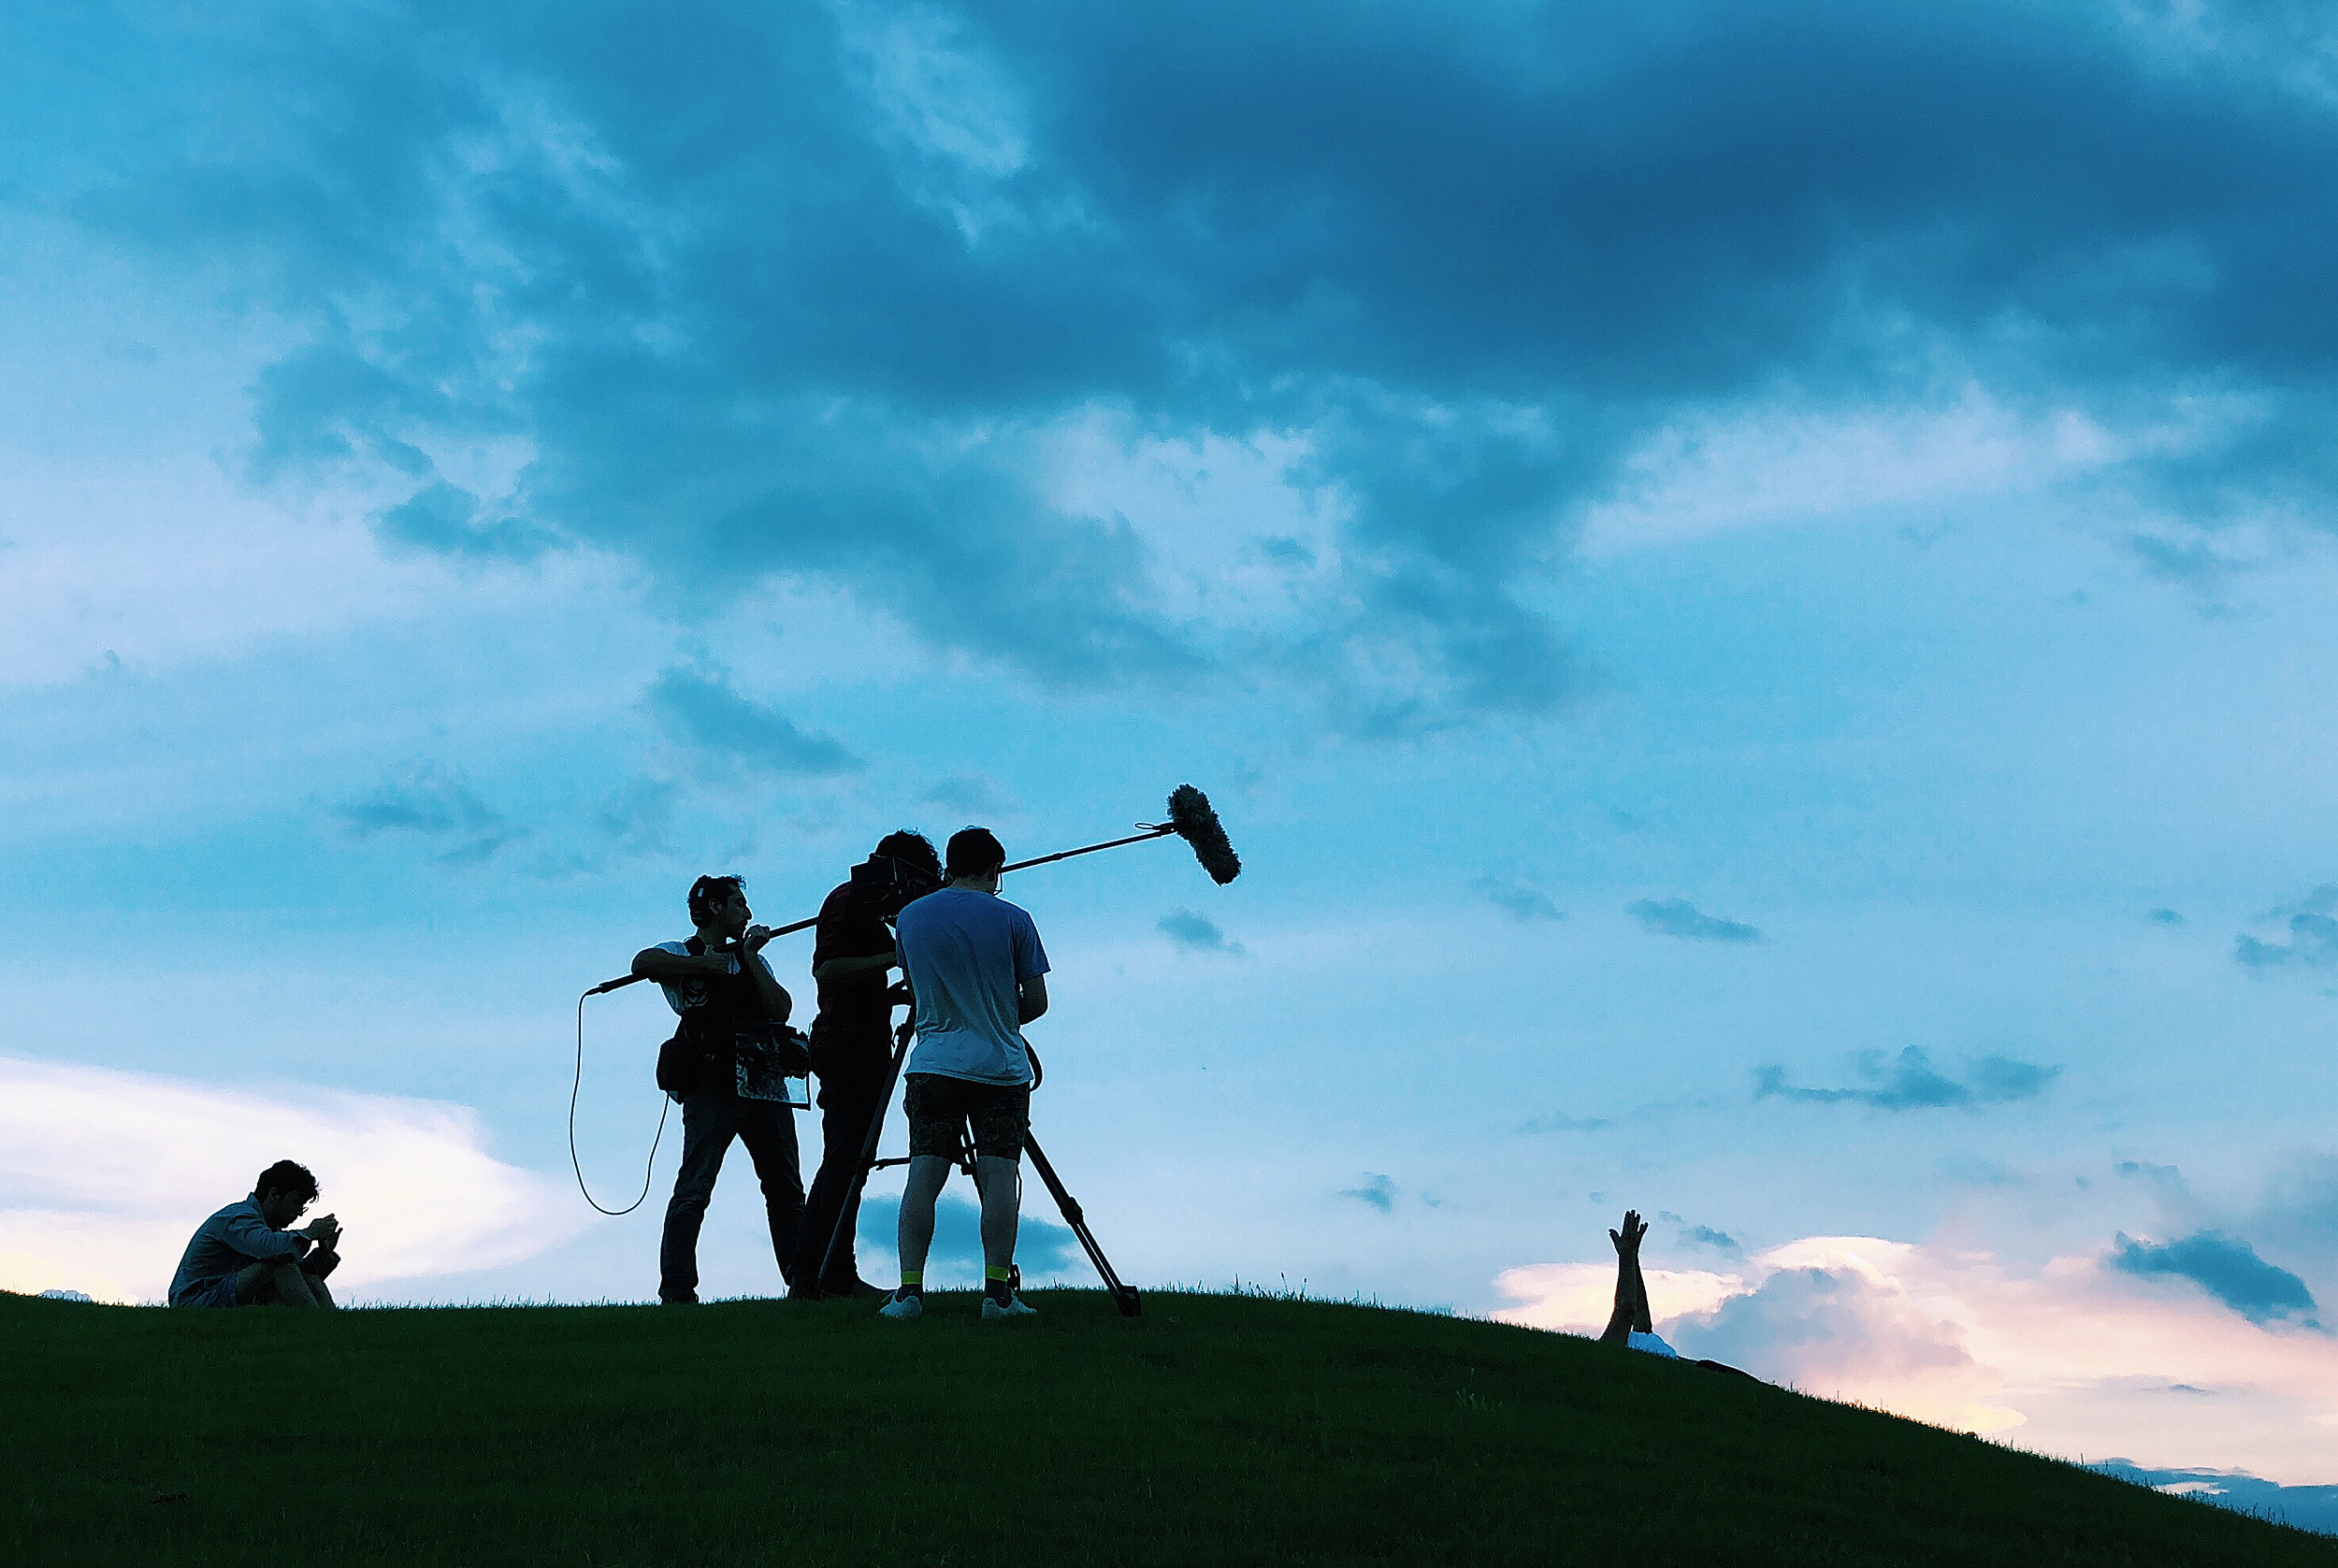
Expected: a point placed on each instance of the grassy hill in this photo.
(1214, 1430)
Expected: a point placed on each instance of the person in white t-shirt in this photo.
(718, 982)
(977, 971)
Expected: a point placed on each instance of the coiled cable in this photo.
(577, 1087)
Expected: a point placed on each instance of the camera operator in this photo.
(852, 1044)
(718, 984)
(980, 974)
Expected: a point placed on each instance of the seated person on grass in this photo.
(243, 1256)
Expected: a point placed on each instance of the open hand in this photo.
(1628, 1240)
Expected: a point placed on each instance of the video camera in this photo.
(899, 879)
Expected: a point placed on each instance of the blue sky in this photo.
(1752, 588)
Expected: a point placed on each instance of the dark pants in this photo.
(709, 1120)
(852, 1087)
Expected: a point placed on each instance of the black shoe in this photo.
(677, 1300)
(807, 1293)
(853, 1289)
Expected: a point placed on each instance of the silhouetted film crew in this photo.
(731, 1013)
(979, 974)
(852, 1039)
(244, 1255)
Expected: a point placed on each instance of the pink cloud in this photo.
(2067, 1358)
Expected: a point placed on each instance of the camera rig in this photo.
(1190, 817)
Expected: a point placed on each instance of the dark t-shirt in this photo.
(853, 1009)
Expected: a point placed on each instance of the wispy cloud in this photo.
(1378, 1192)
(2313, 935)
(638, 815)
(430, 802)
(1520, 900)
(1910, 1081)
(2074, 1353)
(977, 794)
(704, 711)
(1559, 1121)
(104, 1176)
(1196, 932)
(1678, 917)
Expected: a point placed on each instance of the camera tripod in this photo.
(840, 1239)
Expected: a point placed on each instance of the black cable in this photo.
(577, 1087)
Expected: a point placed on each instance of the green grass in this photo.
(1214, 1430)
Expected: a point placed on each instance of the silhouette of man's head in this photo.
(911, 849)
(711, 897)
(975, 852)
(282, 1190)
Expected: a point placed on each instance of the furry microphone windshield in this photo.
(1193, 821)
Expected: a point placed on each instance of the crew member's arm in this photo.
(656, 963)
(1031, 970)
(251, 1235)
(777, 1003)
(326, 1255)
(847, 968)
(853, 945)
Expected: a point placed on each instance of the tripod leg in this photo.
(840, 1239)
(1123, 1295)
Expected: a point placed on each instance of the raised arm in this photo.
(656, 963)
(873, 968)
(777, 1003)
(1631, 1291)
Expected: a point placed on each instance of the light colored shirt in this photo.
(682, 995)
(966, 955)
(239, 1234)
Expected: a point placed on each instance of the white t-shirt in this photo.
(685, 994)
(966, 955)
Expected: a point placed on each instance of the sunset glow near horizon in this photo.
(1753, 585)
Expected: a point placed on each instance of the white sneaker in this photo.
(903, 1306)
(1014, 1308)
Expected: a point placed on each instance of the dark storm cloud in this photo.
(2226, 1268)
(1911, 1081)
(705, 711)
(795, 291)
(1678, 917)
